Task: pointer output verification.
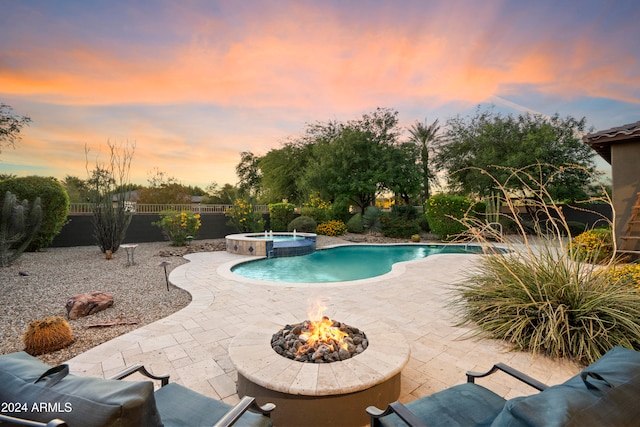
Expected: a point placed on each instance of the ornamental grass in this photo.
(545, 294)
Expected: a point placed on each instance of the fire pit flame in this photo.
(322, 332)
(319, 341)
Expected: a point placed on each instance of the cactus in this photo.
(493, 208)
(47, 335)
(18, 226)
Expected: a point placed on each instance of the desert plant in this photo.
(551, 304)
(47, 335)
(111, 214)
(332, 228)
(178, 226)
(541, 295)
(355, 224)
(280, 215)
(19, 224)
(303, 224)
(53, 200)
(371, 219)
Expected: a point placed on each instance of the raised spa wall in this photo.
(259, 244)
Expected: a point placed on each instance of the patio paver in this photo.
(191, 345)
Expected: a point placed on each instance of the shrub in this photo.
(445, 212)
(19, 223)
(355, 224)
(628, 273)
(423, 222)
(550, 304)
(541, 295)
(280, 215)
(332, 228)
(406, 211)
(303, 224)
(594, 245)
(317, 214)
(53, 200)
(316, 208)
(178, 226)
(47, 335)
(398, 226)
(244, 218)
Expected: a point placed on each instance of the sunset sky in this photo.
(194, 83)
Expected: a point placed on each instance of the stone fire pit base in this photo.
(320, 394)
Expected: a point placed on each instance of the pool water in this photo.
(342, 263)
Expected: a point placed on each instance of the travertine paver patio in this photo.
(191, 345)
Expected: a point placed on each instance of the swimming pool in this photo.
(342, 263)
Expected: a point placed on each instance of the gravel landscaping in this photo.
(38, 285)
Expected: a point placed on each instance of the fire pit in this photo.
(319, 341)
(316, 389)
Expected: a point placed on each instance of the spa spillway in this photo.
(271, 244)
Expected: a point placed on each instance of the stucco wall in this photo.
(625, 165)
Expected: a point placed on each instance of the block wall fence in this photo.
(78, 231)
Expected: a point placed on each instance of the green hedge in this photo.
(53, 199)
(303, 224)
(442, 211)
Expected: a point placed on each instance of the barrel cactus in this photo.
(47, 335)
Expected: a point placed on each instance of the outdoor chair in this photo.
(605, 393)
(35, 394)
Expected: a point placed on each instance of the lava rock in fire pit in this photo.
(322, 341)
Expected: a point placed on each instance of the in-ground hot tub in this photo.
(271, 245)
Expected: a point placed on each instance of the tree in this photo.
(217, 195)
(111, 216)
(164, 189)
(354, 161)
(77, 189)
(424, 135)
(497, 144)
(11, 125)
(249, 175)
(281, 170)
(403, 175)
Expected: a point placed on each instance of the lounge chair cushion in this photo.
(466, 404)
(180, 406)
(584, 400)
(80, 401)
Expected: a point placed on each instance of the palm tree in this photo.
(423, 134)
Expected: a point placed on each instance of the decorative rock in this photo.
(290, 342)
(85, 304)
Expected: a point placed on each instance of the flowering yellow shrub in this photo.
(179, 225)
(332, 228)
(626, 272)
(595, 245)
(243, 217)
